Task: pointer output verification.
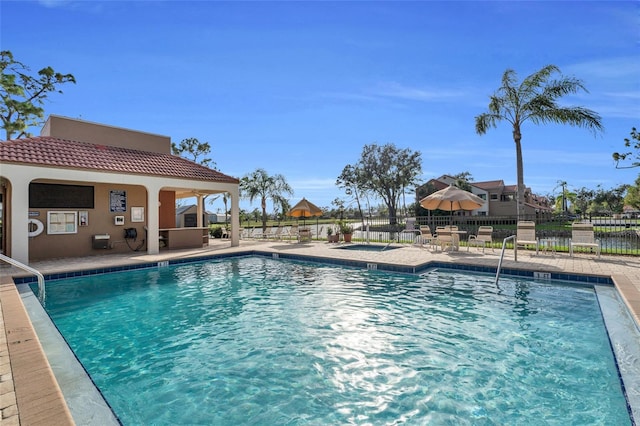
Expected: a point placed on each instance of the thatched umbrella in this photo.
(304, 209)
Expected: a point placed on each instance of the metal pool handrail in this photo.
(504, 245)
(41, 287)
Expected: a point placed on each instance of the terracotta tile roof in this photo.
(59, 153)
(490, 184)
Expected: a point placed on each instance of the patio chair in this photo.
(444, 238)
(526, 235)
(582, 235)
(481, 239)
(225, 233)
(424, 237)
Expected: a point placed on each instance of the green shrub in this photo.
(215, 232)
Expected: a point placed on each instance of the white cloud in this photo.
(313, 184)
(397, 90)
(606, 69)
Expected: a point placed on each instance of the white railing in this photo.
(41, 288)
(504, 245)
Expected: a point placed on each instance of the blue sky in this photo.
(298, 88)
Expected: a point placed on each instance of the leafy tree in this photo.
(23, 95)
(535, 100)
(259, 184)
(584, 197)
(462, 180)
(194, 150)
(611, 200)
(339, 203)
(635, 140)
(421, 192)
(387, 171)
(633, 195)
(350, 181)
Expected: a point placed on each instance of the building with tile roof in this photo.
(500, 198)
(67, 190)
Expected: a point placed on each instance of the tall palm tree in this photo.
(259, 184)
(535, 100)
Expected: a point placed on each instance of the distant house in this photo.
(186, 217)
(501, 199)
(630, 212)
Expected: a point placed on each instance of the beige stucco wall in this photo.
(16, 207)
(100, 134)
(502, 208)
(101, 221)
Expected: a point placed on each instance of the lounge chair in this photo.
(582, 235)
(275, 234)
(291, 233)
(526, 235)
(481, 239)
(261, 234)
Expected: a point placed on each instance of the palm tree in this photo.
(260, 184)
(563, 184)
(535, 100)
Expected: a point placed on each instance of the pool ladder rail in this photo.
(19, 265)
(504, 246)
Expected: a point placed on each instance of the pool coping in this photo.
(621, 281)
(381, 266)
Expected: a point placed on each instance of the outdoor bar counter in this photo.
(179, 238)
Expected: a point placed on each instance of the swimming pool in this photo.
(262, 341)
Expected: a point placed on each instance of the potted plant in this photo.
(347, 230)
(330, 237)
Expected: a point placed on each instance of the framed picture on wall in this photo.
(83, 218)
(137, 214)
(62, 222)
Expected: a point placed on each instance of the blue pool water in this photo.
(254, 340)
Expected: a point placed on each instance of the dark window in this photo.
(54, 196)
(190, 220)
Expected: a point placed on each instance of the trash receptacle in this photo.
(101, 241)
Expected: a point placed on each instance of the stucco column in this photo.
(199, 211)
(235, 216)
(19, 206)
(153, 219)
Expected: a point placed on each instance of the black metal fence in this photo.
(617, 235)
(620, 236)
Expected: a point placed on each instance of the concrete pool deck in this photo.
(29, 392)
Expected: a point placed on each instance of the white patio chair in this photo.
(526, 235)
(582, 235)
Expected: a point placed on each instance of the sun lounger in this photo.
(274, 234)
(259, 233)
(291, 233)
